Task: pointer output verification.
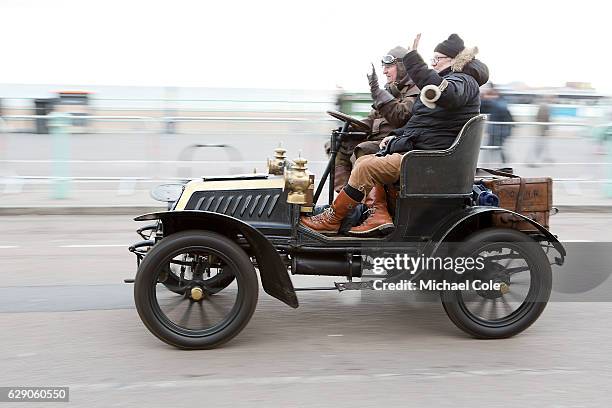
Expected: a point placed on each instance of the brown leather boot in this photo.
(328, 222)
(341, 177)
(379, 221)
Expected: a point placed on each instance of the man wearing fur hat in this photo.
(392, 108)
(456, 78)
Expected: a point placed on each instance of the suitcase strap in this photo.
(519, 198)
(521, 192)
(497, 172)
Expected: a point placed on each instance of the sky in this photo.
(292, 44)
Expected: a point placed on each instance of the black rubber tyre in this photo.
(536, 296)
(159, 322)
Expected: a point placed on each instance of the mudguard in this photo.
(274, 276)
(457, 220)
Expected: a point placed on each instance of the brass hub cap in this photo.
(196, 293)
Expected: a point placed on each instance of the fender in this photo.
(457, 221)
(274, 276)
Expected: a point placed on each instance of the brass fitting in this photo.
(309, 206)
(197, 293)
(297, 181)
(277, 165)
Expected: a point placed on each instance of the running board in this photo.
(342, 286)
(315, 288)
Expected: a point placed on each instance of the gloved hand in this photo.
(384, 145)
(379, 96)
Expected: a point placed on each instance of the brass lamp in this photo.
(297, 181)
(277, 164)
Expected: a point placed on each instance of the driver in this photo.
(392, 108)
(457, 75)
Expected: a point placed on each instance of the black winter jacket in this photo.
(436, 129)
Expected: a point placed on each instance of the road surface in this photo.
(67, 320)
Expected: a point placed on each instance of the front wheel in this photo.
(521, 273)
(176, 277)
(196, 319)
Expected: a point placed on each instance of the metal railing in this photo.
(154, 127)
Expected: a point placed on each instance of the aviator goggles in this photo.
(389, 59)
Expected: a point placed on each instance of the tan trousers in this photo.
(352, 150)
(370, 170)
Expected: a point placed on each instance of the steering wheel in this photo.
(354, 122)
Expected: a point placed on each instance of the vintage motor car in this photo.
(197, 284)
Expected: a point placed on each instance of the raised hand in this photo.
(379, 96)
(415, 43)
(373, 81)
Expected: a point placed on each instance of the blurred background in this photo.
(159, 92)
(116, 142)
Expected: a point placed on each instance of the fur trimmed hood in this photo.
(465, 56)
(467, 63)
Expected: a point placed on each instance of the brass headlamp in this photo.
(276, 166)
(297, 182)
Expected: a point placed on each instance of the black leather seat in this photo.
(448, 172)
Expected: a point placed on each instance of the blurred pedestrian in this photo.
(541, 145)
(391, 109)
(493, 104)
(603, 130)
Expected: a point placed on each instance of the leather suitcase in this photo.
(529, 196)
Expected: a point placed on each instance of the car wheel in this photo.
(196, 319)
(522, 272)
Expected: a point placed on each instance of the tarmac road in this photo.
(67, 320)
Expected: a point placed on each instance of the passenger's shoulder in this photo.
(460, 76)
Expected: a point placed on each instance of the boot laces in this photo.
(326, 215)
(370, 212)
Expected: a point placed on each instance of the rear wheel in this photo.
(196, 319)
(522, 274)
